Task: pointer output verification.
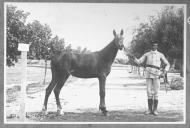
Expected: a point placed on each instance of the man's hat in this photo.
(154, 42)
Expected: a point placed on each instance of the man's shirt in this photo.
(154, 58)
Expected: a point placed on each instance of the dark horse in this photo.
(90, 65)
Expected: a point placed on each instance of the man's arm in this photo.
(137, 61)
(140, 60)
(165, 61)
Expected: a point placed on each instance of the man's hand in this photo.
(163, 74)
(131, 56)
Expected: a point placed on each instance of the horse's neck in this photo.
(109, 52)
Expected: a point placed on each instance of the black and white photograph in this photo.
(94, 63)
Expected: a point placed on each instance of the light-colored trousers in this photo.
(153, 86)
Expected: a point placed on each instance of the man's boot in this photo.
(150, 103)
(155, 112)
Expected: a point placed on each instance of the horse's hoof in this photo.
(60, 112)
(44, 112)
(104, 111)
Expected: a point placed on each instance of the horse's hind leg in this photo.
(57, 90)
(48, 92)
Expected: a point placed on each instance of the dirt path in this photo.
(126, 101)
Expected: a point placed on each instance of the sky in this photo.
(90, 25)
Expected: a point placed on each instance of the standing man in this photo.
(153, 60)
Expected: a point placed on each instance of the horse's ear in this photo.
(121, 32)
(114, 33)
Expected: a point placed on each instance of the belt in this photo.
(152, 66)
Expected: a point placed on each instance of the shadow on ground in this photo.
(113, 116)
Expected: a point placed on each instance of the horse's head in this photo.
(118, 39)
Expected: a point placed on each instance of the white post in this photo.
(23, 48)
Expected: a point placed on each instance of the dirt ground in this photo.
(126, 99)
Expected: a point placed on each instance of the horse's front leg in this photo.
(102, 82)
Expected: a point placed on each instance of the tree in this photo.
(78, 50)
(167, 29)
(16, 32)
(35, 33)
(141, 40)
(84, 50)
(69, 48)
(57, 45)
(39, 36)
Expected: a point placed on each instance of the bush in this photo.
(120, 61)
(177, 83)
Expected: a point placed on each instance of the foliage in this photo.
(120, 61)
(57, 45)
(35, 34)
(166, 29)
(16, 32)
(177, 83)
(69, 48)
(169, 30)
(80, 50)
(39, 37)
